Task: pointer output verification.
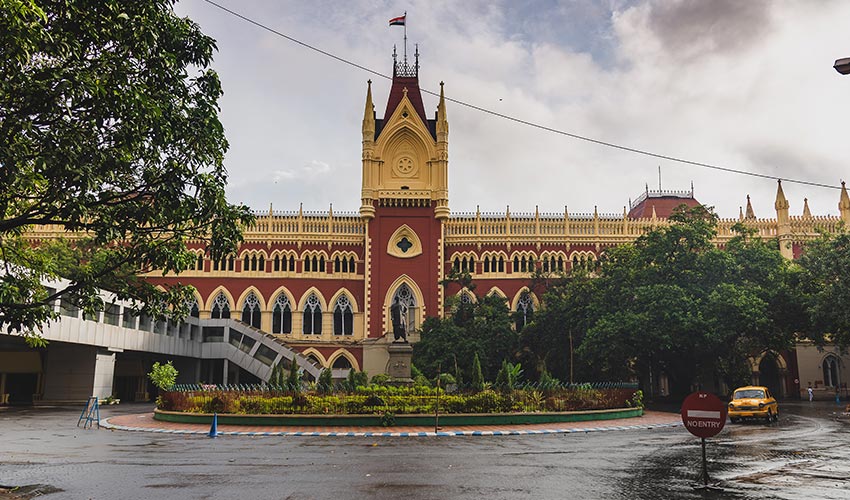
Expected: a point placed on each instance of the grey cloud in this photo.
(692, 27)
(791, 161)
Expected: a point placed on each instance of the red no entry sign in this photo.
(703, 414)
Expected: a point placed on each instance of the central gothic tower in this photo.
(404, 202)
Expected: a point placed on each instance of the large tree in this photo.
(481, 325)
(672, 301)
(550, 342)
(825, 279)
(109, 134)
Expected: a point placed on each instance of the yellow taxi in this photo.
(753, 401)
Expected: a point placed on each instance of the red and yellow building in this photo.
(324, 282)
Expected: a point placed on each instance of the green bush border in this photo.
(400, 420)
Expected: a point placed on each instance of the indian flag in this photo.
(398, 21)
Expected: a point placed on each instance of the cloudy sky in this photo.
(747, 85)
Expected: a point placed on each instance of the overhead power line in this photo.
(520, 120)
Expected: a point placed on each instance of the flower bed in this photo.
(382, 400)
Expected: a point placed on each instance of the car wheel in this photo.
(776, 417)
(769, 418)
(734, 420)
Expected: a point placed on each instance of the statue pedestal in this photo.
(398, 367)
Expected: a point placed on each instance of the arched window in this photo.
(254, 263)
(313, 359)
(516, 264)
(524, 311)
(341, 363)
(200, 263)
(486, 264)
(830, 372)
(246, 263)
(282, 315)
(291, 263)
(221, 307)
(277, 263)
(343, 317)
(456, 265)
(337, 265)
(352, 268)
(194, 310)
(312, 316)
(406, 299)
(251, 310)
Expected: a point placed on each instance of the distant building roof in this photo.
(662, 201)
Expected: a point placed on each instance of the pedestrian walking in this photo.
(811, 393)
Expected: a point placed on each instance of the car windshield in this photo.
(749, 394)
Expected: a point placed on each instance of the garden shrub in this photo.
(299, 400)
(377, 399)
(216, 404)
(374, 400)
(253, 406)
(381, 379)
(421, 381)
(325, 384)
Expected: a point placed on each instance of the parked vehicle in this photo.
(753, 402)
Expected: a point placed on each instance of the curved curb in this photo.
(514, 432)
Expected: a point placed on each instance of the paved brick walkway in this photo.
(145, 422)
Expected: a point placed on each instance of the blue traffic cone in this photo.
(214, 426)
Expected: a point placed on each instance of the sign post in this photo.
(704, 415)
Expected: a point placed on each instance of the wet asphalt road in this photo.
(805, 455)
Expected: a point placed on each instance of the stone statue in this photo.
(398, 315)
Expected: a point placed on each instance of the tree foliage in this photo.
(109, 133)
(293, 380)
(163, 376)
(549, 343)
(825, 272)
(674, 302)
(670, 302)
(480, 327)
(325, 383)
(477, 376)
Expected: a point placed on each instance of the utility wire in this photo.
(520, 120)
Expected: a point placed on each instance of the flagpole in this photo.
(405, 36)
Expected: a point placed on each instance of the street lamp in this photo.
(843, 66)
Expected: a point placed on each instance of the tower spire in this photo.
(783, 220)
(750, 214)
(442, 120)
(781, 202)
(844, 205)
(369, 115)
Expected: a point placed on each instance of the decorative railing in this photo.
(567, 228)
(661, 193)
(490, 228)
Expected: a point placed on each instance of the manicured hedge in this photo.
(397, 400)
